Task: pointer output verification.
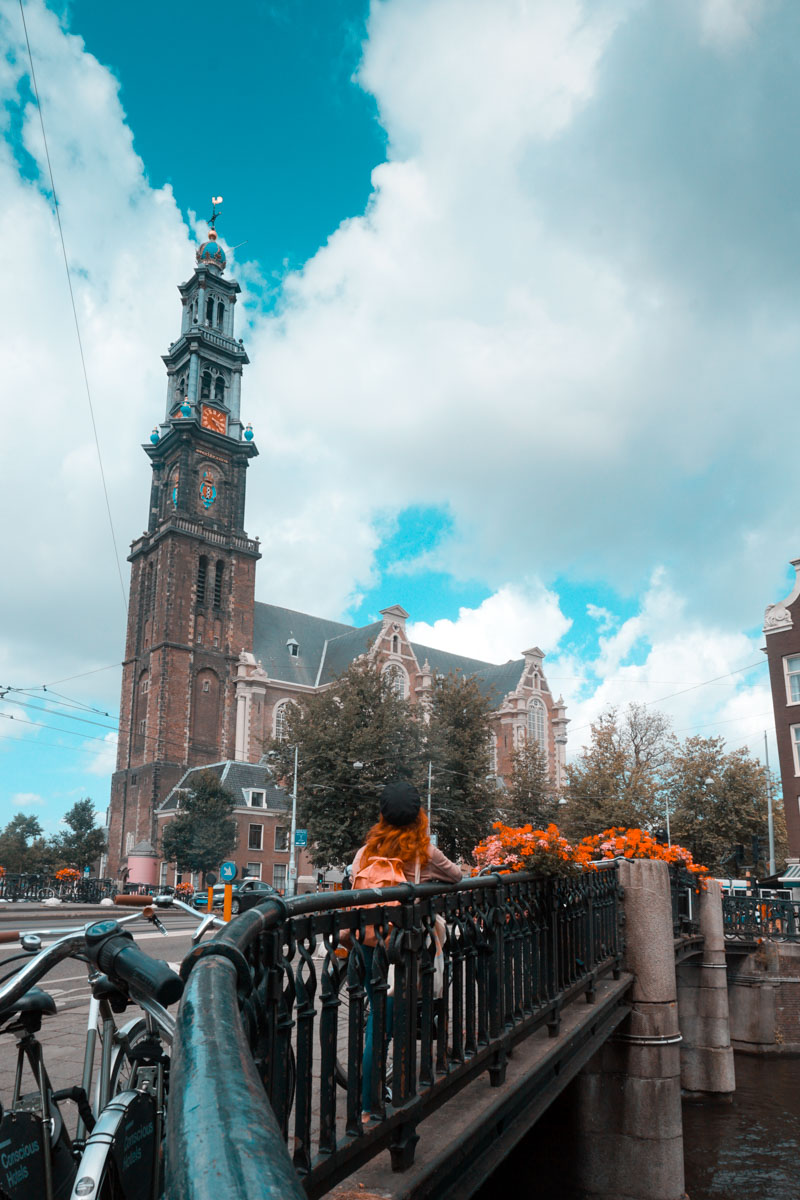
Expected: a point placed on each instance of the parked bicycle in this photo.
(125, 1119)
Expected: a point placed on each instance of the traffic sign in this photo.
(227, 872)
(86, 871)
(301, 837)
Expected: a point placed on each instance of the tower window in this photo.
(537, 724)
(205, 386)
(202, 571)
(281, 730)
(210, 310)
(220, 314)
(395, 644)
(219, 388)
(218, 573)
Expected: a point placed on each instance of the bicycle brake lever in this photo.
(158, 924)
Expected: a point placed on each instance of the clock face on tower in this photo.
(212, 418)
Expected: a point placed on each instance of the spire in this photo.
(209, 252)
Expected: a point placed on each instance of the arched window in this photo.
(492, 753)
(219, 388)
(397, 678)
(281, 730)
(205, 385)
(537, 724)
(220, 314)
(202, 572)
(210, 310)
(218, 573)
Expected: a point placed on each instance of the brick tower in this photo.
(190, 611)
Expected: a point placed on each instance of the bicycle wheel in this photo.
(135, 1059)
(343, 1035)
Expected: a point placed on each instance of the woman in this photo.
(400, 833)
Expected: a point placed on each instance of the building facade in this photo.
(208, 671)
(782, 632)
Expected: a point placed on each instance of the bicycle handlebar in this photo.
(135, 900)
(119, 957)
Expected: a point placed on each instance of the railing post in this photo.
(496, 981)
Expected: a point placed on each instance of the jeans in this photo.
(366, 1098)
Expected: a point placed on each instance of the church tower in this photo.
(190, 610)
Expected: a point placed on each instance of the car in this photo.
(246, 893)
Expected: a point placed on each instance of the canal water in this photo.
(747, 1148)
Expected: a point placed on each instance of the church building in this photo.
(208, 670)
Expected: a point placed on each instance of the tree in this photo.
(464, 799)
(21, 845)
(619, 778)
(85, 841)
(718, 799)
(204, 832)
(352, 738)
(530, 795)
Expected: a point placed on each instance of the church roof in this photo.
(237, 777)
(326, 649)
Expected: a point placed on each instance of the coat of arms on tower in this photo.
(208, 492)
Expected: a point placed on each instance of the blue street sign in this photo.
(86, 871)
(301, 837)
(227, 872)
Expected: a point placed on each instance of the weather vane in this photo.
(215, 200)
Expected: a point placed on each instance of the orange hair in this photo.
(399, 841)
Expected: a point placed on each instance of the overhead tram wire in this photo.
(61, 715)
(61, 701)
(74, 308)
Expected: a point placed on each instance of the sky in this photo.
(520, 294)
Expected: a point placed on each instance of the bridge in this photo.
(608, 988)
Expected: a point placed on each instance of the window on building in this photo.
(219, 388)
(202, 573)
(281, 838)
(210, 310)
(492, 754)
(220, 315)
(219, 570)
(795, 731)
(143, 725)
(398, 680)
(145, 684)
(178, 877)
(128, 842)
(395, 644)
(254, 870)
(537, 724)
(281, 731)
(205, 385)
(279, 877)
(791, 666)
(162, 875)
(255, 837)
(256, 799)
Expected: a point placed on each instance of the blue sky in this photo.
(520, 293)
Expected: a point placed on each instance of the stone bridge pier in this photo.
(623, 1111)
(703, 1014)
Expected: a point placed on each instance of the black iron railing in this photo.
(270, 1038)
(755, 918)
(44, 886)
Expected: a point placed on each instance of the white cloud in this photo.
(512, 620)
(102, 760)
(726, 23)
(27, 799)
(674, 660)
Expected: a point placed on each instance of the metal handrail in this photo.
(261, 1003)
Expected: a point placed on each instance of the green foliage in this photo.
(359, 720)
(464, 796)
(619, 778)
(85, 841)
(530, 796)
(204, 832)
(22, 847)
(719, 798)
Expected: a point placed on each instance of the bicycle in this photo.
(125, 1124)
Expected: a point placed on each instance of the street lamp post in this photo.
(291, 887)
